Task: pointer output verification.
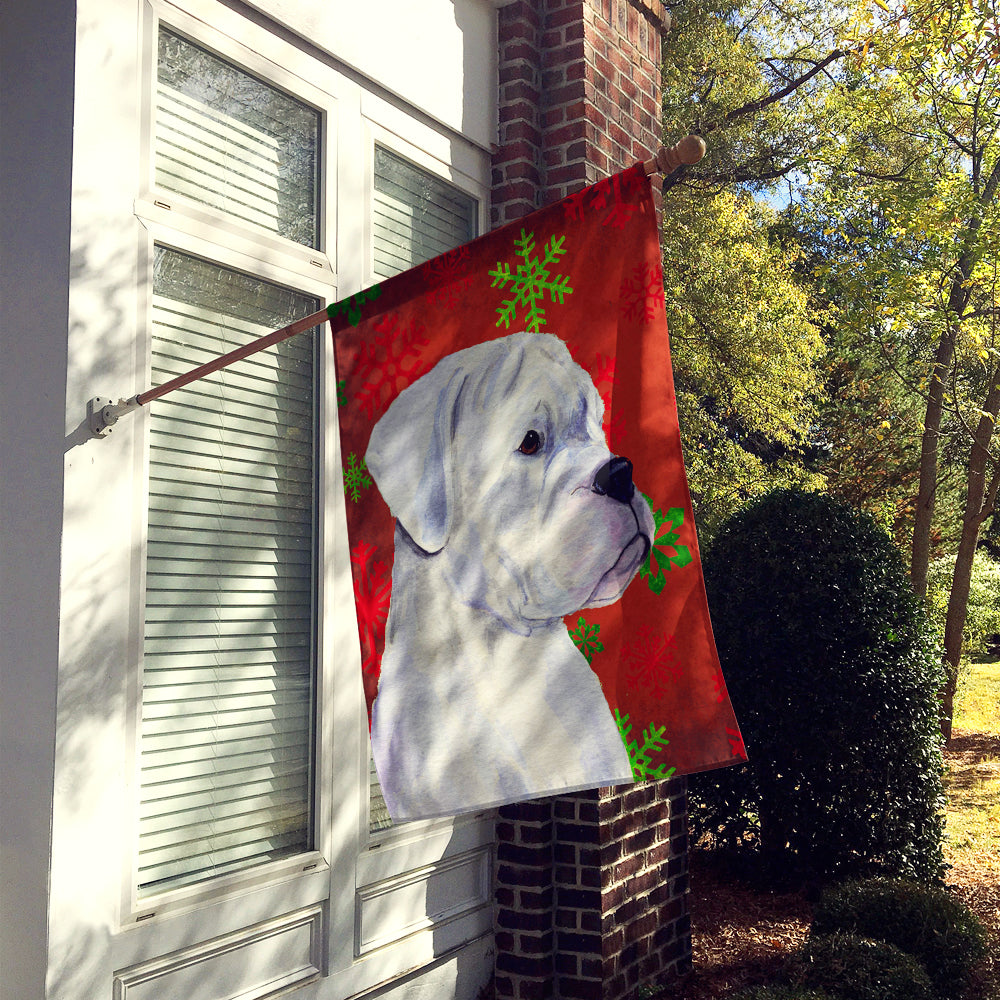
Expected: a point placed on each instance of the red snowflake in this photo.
(736, 744)
(389, 363)
(448, 266)
(447, 279)
(641, 295)
(650, 664)
(619, 215)
(604, 379)
(720, 685)
(575, 205)
(603, 193)
(372, 588)
(604, 376)
(450, 294)
(611, 193)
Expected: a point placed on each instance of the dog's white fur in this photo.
(483, 697)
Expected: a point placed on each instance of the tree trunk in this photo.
(979, 502)
(958, 299)
(920, 553)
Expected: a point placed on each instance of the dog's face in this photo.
(495, 462)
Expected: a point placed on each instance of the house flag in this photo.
(529, 595)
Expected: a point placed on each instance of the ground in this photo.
(741, 935)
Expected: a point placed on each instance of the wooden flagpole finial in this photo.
(668, 158)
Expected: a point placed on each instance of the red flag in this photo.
(529, 595)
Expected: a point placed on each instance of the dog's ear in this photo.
(410, 455)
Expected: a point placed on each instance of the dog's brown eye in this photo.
(531, 443)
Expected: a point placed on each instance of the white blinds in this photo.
(227, 682)
(416, 216)
(225, 139)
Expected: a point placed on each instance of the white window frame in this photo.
(180, 224)
(351, 874)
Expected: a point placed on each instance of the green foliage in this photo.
(857, 968)
(866, 436)
(877, 126)
(833, 673)
(983, 612)
(746, 353)
(924, 921)
(782, 992)
(725, 59)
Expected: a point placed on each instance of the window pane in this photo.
(228, 658)
(228, 140)
(416, 217)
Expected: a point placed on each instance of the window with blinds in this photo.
(416, 216)
(228, 657)
(225, 139)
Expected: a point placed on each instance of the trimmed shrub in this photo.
(926, 922)
(834, 673)
(857, 968)
(782, 993)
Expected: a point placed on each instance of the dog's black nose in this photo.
(614, 479)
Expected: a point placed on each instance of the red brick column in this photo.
(579, 96)
(591, 889)
(524, 902)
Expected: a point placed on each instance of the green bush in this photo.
(782, 993)
(926, 922)
(833, 673)
(856, 968)
(983, 612)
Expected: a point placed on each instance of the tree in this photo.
(879, 120)
(746, 76)
(747, 358)
(747, 352)
(913, 182)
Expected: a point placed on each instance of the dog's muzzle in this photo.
(614, 479)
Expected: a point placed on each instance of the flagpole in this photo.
(103, 413)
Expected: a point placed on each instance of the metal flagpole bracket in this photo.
(103, 413)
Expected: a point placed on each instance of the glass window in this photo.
(228, 680)
(225, 139)
(416, 215)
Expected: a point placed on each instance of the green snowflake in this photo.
(664, 550)
(353, 305)
(356, 477)
(640, 756)
(530, 282)
(341, 392)
(585, 637)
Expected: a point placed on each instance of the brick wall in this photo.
(591, 893)
(591, 889)
(579, 96)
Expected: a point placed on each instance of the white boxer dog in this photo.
(510, 513)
